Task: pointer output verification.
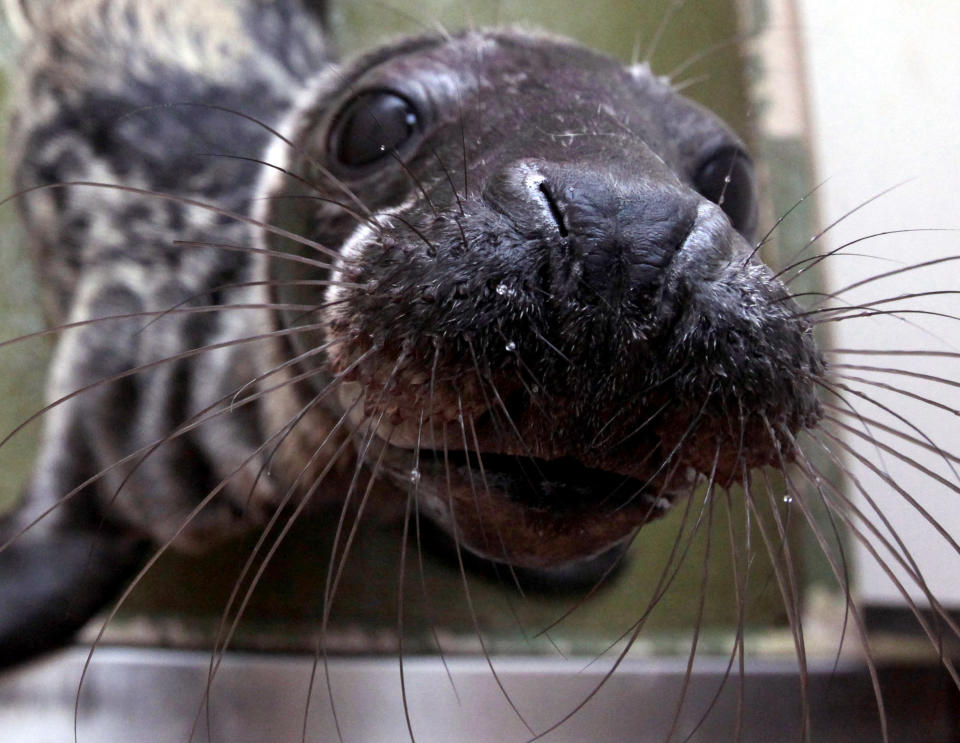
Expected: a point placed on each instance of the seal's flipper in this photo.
(52, 582)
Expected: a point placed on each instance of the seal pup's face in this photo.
(545, 319)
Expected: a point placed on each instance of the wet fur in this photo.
(238, 419)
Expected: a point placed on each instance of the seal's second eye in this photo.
(372, 126)
(726, 178)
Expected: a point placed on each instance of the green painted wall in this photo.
(22, 364)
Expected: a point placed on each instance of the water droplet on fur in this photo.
(505, 290)
(511, 346)
(414, 475)
(788, 499)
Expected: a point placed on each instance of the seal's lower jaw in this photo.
(526, 511)
(535, 513)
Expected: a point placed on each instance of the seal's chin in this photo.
(527, 511)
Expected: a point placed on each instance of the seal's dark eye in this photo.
(370, 127)
(726, 178)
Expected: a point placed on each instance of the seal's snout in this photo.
(604, 236)
(561, 327)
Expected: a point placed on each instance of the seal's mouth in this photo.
(563, 485)
(526, 510)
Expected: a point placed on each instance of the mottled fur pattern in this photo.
(127, 117)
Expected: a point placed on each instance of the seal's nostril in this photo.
(555, 211)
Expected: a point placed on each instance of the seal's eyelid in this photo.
(725, 177)
(371, 127)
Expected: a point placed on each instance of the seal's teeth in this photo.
(418, 378)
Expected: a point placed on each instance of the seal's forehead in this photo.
(547, 77)
(479, 60)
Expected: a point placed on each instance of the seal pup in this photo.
(540, 327)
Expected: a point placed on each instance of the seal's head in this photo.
(544, 316)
